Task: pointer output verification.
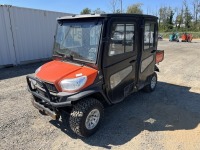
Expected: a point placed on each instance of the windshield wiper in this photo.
(59, 53)
(64, 56)
(68, 56)
(71, 56)
(55, 55)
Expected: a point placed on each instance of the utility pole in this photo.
(121, 5)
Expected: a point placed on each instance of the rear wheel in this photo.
(86, 117)
(152, 85)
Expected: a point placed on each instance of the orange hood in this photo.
(55, 71)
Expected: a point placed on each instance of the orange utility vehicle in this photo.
(186, 37)
(98, 60)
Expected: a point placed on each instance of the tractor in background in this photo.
(174, 37)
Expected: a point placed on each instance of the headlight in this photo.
(73, 84)
(37, 70)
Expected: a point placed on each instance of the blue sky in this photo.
(75, 6)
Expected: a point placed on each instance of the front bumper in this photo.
(55, 101)
(55, 115)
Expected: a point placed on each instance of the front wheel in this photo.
(86, 117)
(152, 85)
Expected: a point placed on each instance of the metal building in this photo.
(26, 35)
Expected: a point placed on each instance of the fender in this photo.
(86, 93)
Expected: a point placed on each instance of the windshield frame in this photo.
(96, 21)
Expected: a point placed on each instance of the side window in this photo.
(129, 40)
(149, 35)
(122, 39)
(151, 41)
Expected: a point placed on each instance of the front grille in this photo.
(53, 98)
(50, 87)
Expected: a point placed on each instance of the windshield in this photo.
(78, 40)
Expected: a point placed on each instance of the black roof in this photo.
(106, 16)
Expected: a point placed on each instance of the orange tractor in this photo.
(186, 37)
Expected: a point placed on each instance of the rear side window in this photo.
(149, 35)
(122, 39)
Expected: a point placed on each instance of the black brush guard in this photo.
(48, 99)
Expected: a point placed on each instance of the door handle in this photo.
(132, 61)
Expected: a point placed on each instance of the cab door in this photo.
(149, 47)
(120, 58)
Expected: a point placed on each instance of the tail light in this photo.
(159, 56)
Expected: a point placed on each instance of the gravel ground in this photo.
(165, 119)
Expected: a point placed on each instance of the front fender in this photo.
(86, 93)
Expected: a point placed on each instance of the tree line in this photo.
(134, 8)
(170, 19)
(180, 19)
